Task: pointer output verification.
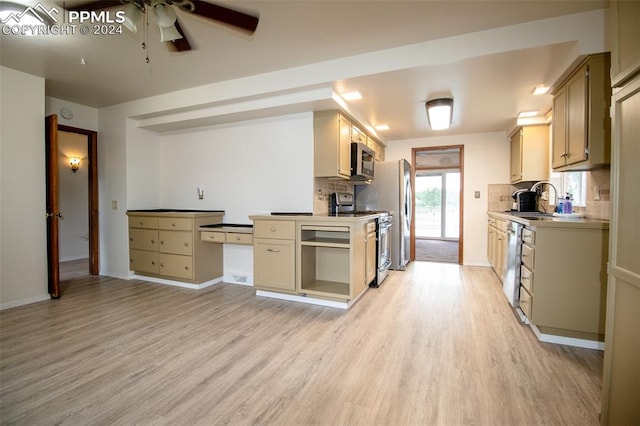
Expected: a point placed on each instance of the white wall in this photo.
(74, 197)
(23, 249)
(486, 161)
(84, 117)
(245, 168)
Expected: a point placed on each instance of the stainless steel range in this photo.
(343, 204)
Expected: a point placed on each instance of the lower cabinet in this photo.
(274, 255)
(324, 258)
(168, 245)
(497, 245)
(274, 264)
(564, 280)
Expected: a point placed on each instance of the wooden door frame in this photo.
(414, 168)
(52, 191)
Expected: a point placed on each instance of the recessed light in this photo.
(382, 127)
(527, 114)
(351, 96)
(540, 89)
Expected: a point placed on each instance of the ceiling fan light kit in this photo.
(165, 16)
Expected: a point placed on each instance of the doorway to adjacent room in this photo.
(438, 204)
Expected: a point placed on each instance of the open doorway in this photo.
(67, 147)
(438, 204)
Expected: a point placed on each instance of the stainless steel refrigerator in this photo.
(391, 191)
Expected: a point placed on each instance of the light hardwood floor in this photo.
(436, 344)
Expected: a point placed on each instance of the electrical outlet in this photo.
(114, 205)
(596, 193)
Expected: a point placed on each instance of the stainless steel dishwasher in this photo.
(511, 283)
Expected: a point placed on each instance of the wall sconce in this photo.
(74, 163)
(439, 113)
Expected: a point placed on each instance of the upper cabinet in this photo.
(332, 137)
(581, 122)
(530, 153)
(625, 59)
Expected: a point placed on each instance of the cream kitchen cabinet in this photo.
(625, 54)
(581, 137)
(563, 280)
(332, 145)
(166, 244)
(333, 134)
(274, 255)
(497, 245)
(530, 153)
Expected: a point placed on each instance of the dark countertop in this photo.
(174, 210)
(228, 227)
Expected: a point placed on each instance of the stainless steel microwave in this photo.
(362, 161)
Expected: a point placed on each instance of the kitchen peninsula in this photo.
(320, 259)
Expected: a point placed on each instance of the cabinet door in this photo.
(577, 99)
(344, 149)
(559, 143)
(516, 156)
(625, 55)
(177, 242)
(274, 264)
(370, 257)
(143, 261)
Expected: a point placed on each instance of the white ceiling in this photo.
(488, 88)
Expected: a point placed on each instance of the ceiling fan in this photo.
(166, 19)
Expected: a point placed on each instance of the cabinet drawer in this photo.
(175, 242)
(213, 237)
(526, 302)
(492, 221)
(275, 229)
(143, 261)
(176, 266)
(528, 256)
(145, 222)
(274, 264)
(143, 239)
(175, 223)
(526, 279)
(239, 238)
(528, 237)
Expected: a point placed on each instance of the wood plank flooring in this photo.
(437, 344)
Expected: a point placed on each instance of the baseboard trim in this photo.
(22, 302)
(176, 283)
(309, 300)
(569, 341)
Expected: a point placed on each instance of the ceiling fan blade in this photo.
(225, 15)
(181, 44)
(94, 5)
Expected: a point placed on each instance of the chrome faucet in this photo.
(535, 186)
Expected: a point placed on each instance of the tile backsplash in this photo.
(322, 190)
(598, 204)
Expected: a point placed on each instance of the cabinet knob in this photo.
(237, 237)
(274, 250)
(141, 222)
(162, 265)
(130, 239)
(273, 229)
(173, 224)
(211, 236)
(153, 241)
(161, 242)
(186, 244)
(153, 262)
(130, 260)
(186, 268)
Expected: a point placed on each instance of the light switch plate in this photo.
(114, 205)
(476, 194)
